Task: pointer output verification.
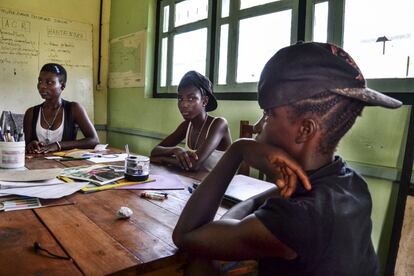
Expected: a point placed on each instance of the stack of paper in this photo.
(36, 183)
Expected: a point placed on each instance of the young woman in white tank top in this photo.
(47, 135)
(205, 137)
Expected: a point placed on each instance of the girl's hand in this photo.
(275, 162)
(184, 158)
(286, 175)
(34, 147)
(49, 148)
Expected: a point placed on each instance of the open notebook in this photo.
(243, 187)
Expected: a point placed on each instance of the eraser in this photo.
(124, 213)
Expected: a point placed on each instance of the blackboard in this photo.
(27, 41)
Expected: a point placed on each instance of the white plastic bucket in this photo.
(12, 154)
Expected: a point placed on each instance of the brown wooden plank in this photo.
(176, 201)
(148, 217)
(38, 161)
(93, 250)
(18, 231)
(405, 259)
(101, 208)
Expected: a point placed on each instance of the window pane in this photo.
(164, 48)
(379, 34)
(259, 39)
(320, 22)
(166, 19)
(244, 4)
(190, 11)
(189, 53)
(224, 34)
(225, 8)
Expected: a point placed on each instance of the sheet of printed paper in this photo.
(51, 191)
(29, 175)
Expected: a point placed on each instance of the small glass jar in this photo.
(137, 168)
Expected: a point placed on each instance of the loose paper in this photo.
(29, 175)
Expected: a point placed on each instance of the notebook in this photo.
(243, 187)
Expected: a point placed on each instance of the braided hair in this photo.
(338, 113)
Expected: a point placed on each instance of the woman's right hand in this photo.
(274, 162)
(34, 147)
(184, 158)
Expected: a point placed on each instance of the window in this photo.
(230, 40)
(320, 22)
(378, 34)
(183, 39)
(227, 40)
(382, 40)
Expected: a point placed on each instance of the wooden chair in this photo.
(247, 131)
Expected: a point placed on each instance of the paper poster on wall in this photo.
(27, 41)
(127, 61)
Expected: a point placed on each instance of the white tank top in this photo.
(44, 134)
(214, 157)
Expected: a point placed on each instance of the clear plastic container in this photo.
(137, 168)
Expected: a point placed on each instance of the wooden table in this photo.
(89, 232)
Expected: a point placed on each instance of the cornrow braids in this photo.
(338, 113)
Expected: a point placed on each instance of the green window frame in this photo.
(213, 23)
(400, 88)
(302, 20)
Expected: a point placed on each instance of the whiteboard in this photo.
(27, 41)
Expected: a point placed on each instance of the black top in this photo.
(70, 128)
(328, 227)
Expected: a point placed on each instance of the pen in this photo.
(74, 158)
(127, 149)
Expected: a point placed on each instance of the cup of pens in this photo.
(12, 149)
(136, 168)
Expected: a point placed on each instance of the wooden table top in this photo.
(89, 232)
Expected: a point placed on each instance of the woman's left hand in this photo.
(49, 148)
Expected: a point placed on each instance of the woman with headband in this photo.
(206, 137)
(52, 125)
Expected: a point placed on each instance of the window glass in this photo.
(166, 19)
(224, 34)
(320, 22)
(164, 46)
(190, 11)
(244, 4)
(379, 35)
(259, 39)
(189, 53)
(225, 8)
